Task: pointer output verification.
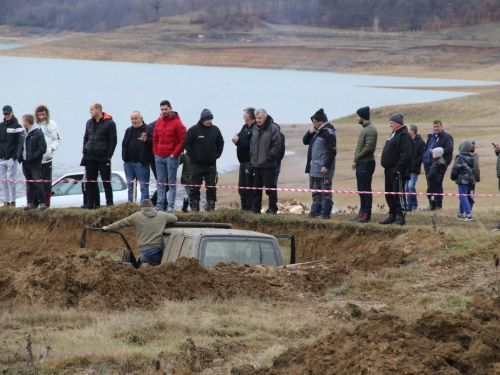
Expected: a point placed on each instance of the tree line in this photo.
(388, 15)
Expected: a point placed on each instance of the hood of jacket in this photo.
(149, 212)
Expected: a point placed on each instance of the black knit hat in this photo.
(364, 113)
(397, 117)
(320, 115)
(206, 114)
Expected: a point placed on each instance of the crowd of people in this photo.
(163, 145)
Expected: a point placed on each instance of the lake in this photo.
(68, 87)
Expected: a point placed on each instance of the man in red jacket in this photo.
(168, 140)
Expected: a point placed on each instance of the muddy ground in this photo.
(41, 264)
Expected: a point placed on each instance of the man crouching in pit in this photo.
(149, 225)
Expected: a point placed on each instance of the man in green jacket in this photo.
(149, 225)
(364, 163)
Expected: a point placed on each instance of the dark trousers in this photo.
(264, 177)
(197, 174)
(246, 180)
(439, 198)
(47, 185)
(33, 171)
(395, 183)
(433, 188)
(319, 183)
(364, 174)
(92, 170)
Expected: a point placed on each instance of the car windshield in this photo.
(251, 252)
(70, 185)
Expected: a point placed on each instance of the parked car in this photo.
(212, 243)
(67, 190)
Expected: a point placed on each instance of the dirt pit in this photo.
(438, 343)
(83, 280)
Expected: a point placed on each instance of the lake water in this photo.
(68, 87)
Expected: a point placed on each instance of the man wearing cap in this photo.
(149, 225)
(364, 163)
(438, 138)
(204, 145)
(168, 140)
(242, 143)
(99, 143)
(324, 150)
(396, 160)
(264, 151)
(11, 139)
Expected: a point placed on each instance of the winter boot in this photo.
(391, 219)
(365, 218)
(400, 220)
(360, 214)
(195, 206)
(326, 211)
(185, 205)
(315, 211)
(210, 206)
(43, 206)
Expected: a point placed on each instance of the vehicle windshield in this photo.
(70, 185)
(251, 252)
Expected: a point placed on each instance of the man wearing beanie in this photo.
(364, 163)
(396, 160)
(149, 225)
(204, 144)
(324, 150)
(168, 140)
(435, 177)
(438, 138)
(265, 147)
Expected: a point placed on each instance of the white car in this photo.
(67, 190)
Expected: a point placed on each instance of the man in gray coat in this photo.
(324, 150)
(264, 149)
(149, 225)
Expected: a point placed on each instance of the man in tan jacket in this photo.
(149, 225)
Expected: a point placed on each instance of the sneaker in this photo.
(460, 217)
(43, 206)
(496, 229)
(468, 217)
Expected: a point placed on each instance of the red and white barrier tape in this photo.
(276, 189)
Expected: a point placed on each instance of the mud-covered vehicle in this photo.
(212, 243)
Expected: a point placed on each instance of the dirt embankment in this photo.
(41, 263)
(438, 343)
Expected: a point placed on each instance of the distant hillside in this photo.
(387, 15)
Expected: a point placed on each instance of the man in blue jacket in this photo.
(438, 138)
(323, 152)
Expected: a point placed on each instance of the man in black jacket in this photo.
(99, 143)
(418, 147)
(396, 160)
(438, 138)
(11, 138)
(136, 155)
(265, 147)
(31, 155)
(242, 142)
(204, 144)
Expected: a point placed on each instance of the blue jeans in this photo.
(464, 202)
(166, 169)
(410, 188)
(136, 170)
(151, 256)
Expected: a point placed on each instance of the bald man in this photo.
(99, 143)
(137, 154)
